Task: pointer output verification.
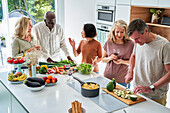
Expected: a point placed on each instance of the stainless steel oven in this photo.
(105, 14)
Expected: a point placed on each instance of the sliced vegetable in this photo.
(133, 97)
(85, 68)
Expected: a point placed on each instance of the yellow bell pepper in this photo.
(44, 66)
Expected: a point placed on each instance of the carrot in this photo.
(61, 67)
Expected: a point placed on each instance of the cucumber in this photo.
(58, 64)
(36, 79)
(32, 84)
(133, 97)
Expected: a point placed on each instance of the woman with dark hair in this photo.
(90, 48)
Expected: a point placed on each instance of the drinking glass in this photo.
(116, 52)
(70, 78)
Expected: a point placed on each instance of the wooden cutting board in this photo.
(126, 101)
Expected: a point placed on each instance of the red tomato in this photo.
(10, 60)
(48, 81)
(21, 60)
(15, 61)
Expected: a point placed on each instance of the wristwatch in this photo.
(152, 87)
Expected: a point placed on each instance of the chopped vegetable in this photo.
(85, 68)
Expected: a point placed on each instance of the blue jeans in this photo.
(124, 84)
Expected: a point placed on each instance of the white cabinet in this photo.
(106, 2)
(125, 2)
(8, 103)
(164, 3)
(5, 100)
(145, 2)
(17, 107)
(123, 13)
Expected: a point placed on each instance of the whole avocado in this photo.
(114, 83)
(110, 86)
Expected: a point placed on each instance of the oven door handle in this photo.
(104, 11)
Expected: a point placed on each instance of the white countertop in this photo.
(58, 98)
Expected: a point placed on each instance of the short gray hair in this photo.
(137, 24)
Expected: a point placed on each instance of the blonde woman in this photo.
(117, 51)
(22, 38)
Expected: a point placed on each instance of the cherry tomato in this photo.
(21, 60)
(10, 60)
(15, 61)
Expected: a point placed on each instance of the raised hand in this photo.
(72, 42)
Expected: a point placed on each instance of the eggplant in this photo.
(36, 79)
(32, 84)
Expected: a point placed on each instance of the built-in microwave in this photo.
(105, 14)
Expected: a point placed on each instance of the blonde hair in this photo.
(121, 24)
(21, 27)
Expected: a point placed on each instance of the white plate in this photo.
(36, 88)
(16, 82)
(51, 84)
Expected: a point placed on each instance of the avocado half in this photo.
(133, 97)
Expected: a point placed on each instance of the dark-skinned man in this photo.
(50, 37)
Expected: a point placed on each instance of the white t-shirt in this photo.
(150, 59)
(50, 41)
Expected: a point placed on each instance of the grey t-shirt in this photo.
(150, 59)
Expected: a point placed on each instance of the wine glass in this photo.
(116, 52)
(70, 78)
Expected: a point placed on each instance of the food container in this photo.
(88, 92)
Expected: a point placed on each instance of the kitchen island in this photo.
(58, 98)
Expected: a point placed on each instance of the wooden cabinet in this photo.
(144, 13)
(145, 2)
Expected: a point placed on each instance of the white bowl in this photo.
(36, 88)
(83, 110)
